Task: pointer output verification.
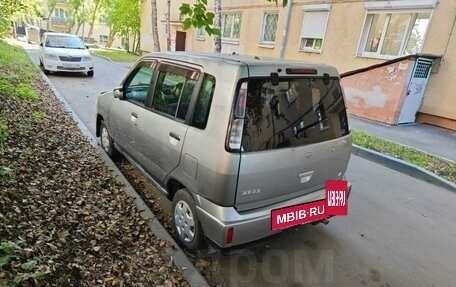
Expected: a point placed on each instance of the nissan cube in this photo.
(228, 139)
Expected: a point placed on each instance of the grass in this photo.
(17, 73)
(3, 134)
(116, 56)
(435, 164)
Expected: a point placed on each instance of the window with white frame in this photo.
(395, 33)
(201, 33)
(60, 13)
(314, 27)
(231, 26)
(268, 33)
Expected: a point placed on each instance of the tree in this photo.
(77, 15)
(98, 4)
(154, 20)
(12, 10)
(124, 19)
(50, 6)
(218, 26)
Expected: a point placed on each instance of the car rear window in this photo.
(296, 112)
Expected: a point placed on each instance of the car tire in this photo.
(46, 72)
(185, 221)
(90, 73)
(107, 144)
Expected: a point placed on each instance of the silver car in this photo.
(228, 138)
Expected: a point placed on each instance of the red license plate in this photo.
(298, 214)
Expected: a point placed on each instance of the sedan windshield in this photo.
(64, 41)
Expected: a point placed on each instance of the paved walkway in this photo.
(431, 139)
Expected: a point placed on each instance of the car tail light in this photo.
(236, 134)
(237, 126)
(229, 235)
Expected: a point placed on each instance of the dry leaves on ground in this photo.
(64, 218)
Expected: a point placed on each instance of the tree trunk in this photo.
(77, 29)
(138, 44)
(111, 38)
(218, 25)
(168, 26)
(92, 18)
(154, 17)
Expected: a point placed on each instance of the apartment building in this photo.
(349, 34)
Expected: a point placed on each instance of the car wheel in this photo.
(90, 73)
(185, 221)
(107, 144)
(46, 72)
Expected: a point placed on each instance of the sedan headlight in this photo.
(87, 59)
(51, 56)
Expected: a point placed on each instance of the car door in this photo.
(161, 132)
(124, 113)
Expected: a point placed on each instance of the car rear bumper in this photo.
(247, 226)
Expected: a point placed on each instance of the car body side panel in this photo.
(217, 169)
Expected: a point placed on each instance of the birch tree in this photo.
(153, 4)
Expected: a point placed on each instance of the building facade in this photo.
(349, 34)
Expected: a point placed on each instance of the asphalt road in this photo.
(400, 231)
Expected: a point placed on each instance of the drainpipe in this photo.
(285, 29)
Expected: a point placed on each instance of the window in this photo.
(201, 33)
(231, 26)
(173, 93)
(137, 88)
(103, 39)
(60, 13)
(394, 34)
(268, 33)
(203, 103)
(103, 19)
(314, 27)
(296, 112)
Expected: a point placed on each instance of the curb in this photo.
(180, 260)
(402, 166)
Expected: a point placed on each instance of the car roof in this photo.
(236, 59)
(60, 34)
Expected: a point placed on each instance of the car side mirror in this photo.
(41, 44)
(118, 93)
(87, 47)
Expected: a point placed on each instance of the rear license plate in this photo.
(298, 214)
(335, 203)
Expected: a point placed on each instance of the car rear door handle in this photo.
(175, 136)
(134, 117)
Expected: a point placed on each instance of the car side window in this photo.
(203, 103)
(173, 94)
(137, 88)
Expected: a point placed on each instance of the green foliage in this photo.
(38, 116)
(7, 252)
(25, 92)
(3, 134)
(12, 10)
(432, 163)
(17, 73)
(284, 2)
(198, 17)
(4, 171)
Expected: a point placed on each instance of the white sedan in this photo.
(60, 52)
